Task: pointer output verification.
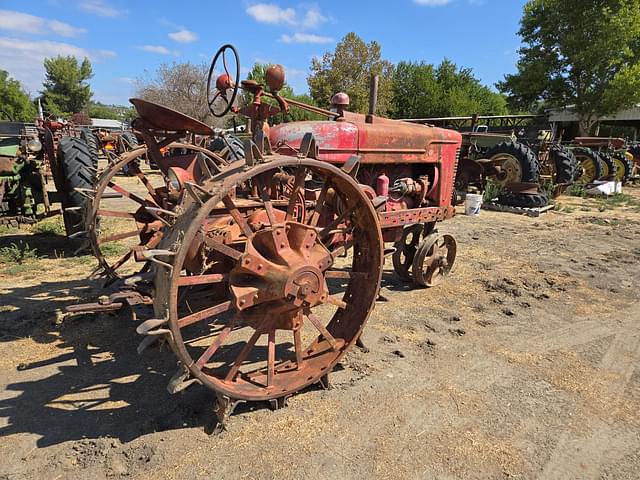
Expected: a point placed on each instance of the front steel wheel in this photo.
(256, 302)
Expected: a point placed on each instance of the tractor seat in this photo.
(165, 118)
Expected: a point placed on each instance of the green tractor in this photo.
(602, 157)
(30, 154)
(501, 160)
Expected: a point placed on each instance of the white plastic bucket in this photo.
(472, 204)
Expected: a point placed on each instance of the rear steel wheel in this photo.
(258, 304)
(434, 259)
(121, 230)
(117, 228)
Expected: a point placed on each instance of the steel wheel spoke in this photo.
(132, 196)
(237, 216)
(204, 314)
(122, 260)
(297, 342)
(321, 328)
(337, 221)
(150, 188)
(210, 352)
(242, 356)
(266, 201)
(117, 236)
(223, 249)
(334, 300)
(114, 213)
(202, 279)
(319, 205)
(301, 174)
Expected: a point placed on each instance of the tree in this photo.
(181, 86)
(349, 69)
(14, 101)
(584, 54)
(295, 114)
(423, 90)
(111, 112)
(66, 90)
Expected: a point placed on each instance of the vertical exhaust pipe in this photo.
(373, 98)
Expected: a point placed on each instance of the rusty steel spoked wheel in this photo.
(122, 218)
(121, 230)
(434, 259)
(255, 303)
(406, 249)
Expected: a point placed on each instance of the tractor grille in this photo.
(455, 166)
(30, 131)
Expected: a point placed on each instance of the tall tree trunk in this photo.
(586, 123)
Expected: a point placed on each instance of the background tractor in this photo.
(603, 157)
(29, 155)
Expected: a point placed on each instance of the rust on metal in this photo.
(165, 118)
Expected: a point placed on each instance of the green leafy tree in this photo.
(111, 112)
(295, 114)
(66, 90)
(100, 110)
(15, 103)
(424, 90)
(349, 69)
(584, 54)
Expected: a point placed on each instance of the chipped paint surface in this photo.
(381, 142)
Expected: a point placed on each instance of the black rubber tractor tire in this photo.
(635, 151)
(88, 137)
(624, 163)
(565, 164)
(77, 162)
(529, 165)
(586, 154)
(235, 145)
(130, 140)
(523, 200)
(610, 168)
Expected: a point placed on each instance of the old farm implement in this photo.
(264, 269)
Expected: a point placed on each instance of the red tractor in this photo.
(269, 265)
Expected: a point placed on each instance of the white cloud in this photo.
(183, 36)
(313, 18)
(64, 29)
(24, 58)
(25, 23)
(306, 17)
(269, 13)
(100, 8)
(158, 49)
(304, 38)
(432, 3)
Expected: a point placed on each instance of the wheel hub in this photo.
(282, 269)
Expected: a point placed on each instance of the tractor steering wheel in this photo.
(224, 82)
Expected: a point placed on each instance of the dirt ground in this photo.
(522, 364)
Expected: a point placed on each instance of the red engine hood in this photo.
(382, 141)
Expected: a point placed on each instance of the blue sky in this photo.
(125, 38)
